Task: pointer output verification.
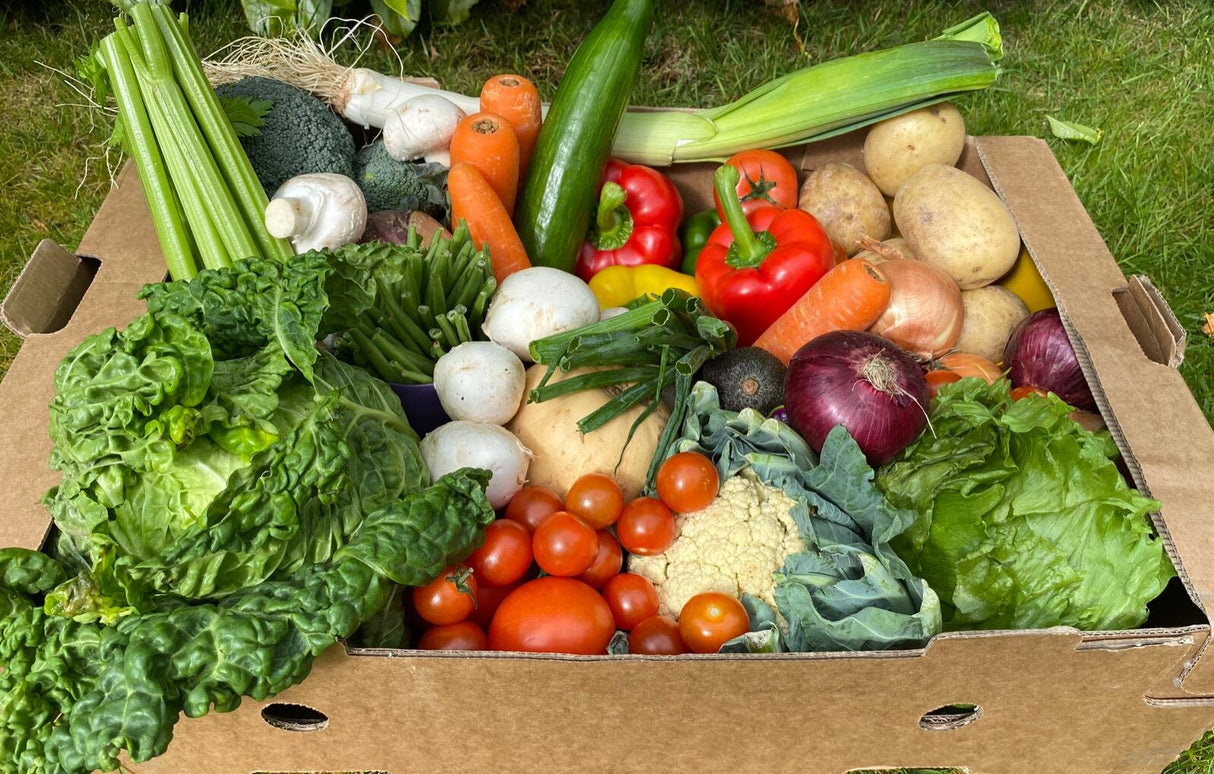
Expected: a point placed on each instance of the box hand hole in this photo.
(294, 717)
(950, 716)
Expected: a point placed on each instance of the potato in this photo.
(898, 147)
(847, 204)
(561, 454)
(889, 250)
(951, 220)
(991, 313)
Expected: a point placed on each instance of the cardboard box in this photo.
(1053, 700)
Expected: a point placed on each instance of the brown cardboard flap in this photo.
(128, 257)
(1160, 429)
(44, 297)
(1152, 321)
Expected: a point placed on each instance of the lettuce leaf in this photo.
(1023, 518)
(849, 590)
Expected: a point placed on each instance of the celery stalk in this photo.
(235, 166)
(141, 146)
(155, 73)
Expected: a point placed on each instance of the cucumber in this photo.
(560, 192)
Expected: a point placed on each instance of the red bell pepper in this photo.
(756, 266)
(637, 222)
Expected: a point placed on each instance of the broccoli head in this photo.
(300, 135)
(389, 184)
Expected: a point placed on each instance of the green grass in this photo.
(1140, 71)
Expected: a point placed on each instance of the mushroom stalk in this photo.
(316, 211)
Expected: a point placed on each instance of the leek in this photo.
(821, 101)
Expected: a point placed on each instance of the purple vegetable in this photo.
(863, 382)
(390, 226)
(1038, 354)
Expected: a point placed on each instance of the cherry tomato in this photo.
(564, 545)
(464, 635)
(553, 615)
(447, 599)
(765, 179)
(657, 635)
(631, 598)
(532, 505)
(504, 556)
(939, 377)
(1023, 391)
(687, 482)
(596, 499)
(607, 562)
(646, 527)
(488, 599)
(711, 619)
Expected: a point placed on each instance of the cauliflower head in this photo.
(733, 546)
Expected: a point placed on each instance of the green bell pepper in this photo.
(696, 230)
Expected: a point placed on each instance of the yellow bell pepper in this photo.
(1025, 281)
(617, 285)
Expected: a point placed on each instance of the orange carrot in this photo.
(849, 297)
(515, 98)
(474, 201)
(487, 142)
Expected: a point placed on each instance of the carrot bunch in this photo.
(489, 154)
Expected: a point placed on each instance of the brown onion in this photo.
(925, 312)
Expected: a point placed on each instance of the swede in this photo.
(463, 444)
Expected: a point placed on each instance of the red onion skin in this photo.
(1038, 354)
(825, 387)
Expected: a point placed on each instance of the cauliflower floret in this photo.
(733, 546)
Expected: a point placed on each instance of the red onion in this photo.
(1038, 354)
(863, 382)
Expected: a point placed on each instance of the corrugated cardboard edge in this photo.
(47, 290)
(1161, 431)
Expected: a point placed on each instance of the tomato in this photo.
(1023, 391)
(711, 619)
(646, 527)
(687, 482)
(631, 598)
(447, 599)
(553, 615)
(765, 179)
(488, 599)
(596, 499)
(504, 556)
(939, 377)
(607, 562)
(657, 635)
(564, 545)
(464, 635)
(532, 505)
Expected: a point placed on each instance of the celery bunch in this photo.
(207, 206)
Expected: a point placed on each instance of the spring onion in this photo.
(659, 344)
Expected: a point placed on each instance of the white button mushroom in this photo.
(422, 128)
(317, 210)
